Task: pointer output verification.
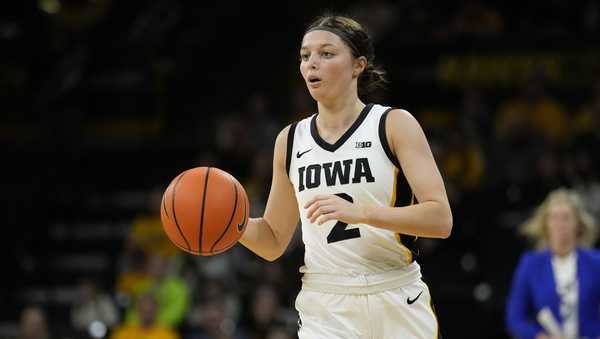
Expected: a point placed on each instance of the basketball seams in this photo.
(175, 214)
(164, 205)
(206, 253)
(230, 218)
(202, 210)
(164, 197)
(189, 192)
(246, 208)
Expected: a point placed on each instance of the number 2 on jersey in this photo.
(339, 231)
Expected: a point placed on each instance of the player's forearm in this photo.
(430, 219)
(260, 238)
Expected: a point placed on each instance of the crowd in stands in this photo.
(500, 153)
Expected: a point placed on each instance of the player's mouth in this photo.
(314, 82)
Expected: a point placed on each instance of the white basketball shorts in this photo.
(383, 306)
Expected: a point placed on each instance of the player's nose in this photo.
(313, 62)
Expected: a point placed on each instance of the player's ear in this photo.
(359, 66)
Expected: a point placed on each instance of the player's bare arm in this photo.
(270, 235)
(431, 217)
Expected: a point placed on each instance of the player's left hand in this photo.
(324, 207)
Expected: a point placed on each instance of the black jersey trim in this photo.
(410, 242)
(404, 194)
(290, 146)
(333, 147)
(383, 139)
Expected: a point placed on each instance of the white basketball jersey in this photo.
(359, 167)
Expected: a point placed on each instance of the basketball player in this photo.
(363, 181)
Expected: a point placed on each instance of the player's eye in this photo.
(304, 56)
(327, 54)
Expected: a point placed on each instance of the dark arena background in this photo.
(103, 102)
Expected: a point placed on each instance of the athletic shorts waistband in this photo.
(361, 283)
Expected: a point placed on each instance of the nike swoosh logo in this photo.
(241, 226)
(411, 301)
(298, 155)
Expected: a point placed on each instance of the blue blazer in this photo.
(533, 288)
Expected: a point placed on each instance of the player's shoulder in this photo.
(282, 138)
(283, 133)
(290, 129)
(285, 137)
(400, 117)
(401, 126)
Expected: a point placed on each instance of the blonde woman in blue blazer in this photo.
(555, 289)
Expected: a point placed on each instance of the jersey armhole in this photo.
(403, 194)
(383, 139)
(290, 146)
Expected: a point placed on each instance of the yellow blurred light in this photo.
(49, 6)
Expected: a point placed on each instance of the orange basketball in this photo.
(204, 211)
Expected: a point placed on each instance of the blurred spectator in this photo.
(132, 274)
(146, 238)
(561, 277)
(92, 306)
(266, 312)
(458, 142)
(534, 114)
(74, 69)
(169, 290)
(148, 326)
(530, 134)
(33, 324)
(213, 319)
(463, 162)
(147, 232)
